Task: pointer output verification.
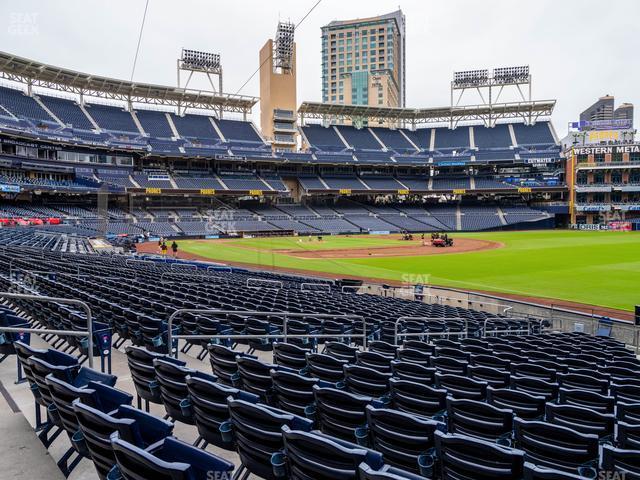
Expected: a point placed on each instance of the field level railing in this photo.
(464, 333)
(257, 282)
(409, 293)
(88, 334)
(284, 335)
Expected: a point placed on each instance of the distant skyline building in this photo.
(603, 110)
(363, 61)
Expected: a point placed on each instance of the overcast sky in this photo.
(578, 50)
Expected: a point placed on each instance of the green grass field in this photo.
(596, 268)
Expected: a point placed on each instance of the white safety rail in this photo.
(307, 286)
(263, 283)
(464, 333)
(135, 261)
(185, 266)
(40, 331)
(284, 335)
(221, 268)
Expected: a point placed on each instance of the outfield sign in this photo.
(615, 226)
(207, 191)
(538, 161)
(153, 190)
(345, 191)
(612, 124)
(524, 189)
(459, 191)
(403, 192)
(255, 193)
(10, 188)
(606, 149)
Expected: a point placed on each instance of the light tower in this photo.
(490, 87)
(278, 97)
(197, 62)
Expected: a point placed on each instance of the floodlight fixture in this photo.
(518, 74)
(471, 78)
(200, 61)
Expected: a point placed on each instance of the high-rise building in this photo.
(278, 106)
(601, 110)
(363, 61)
(624, 112)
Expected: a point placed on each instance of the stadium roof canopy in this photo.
(527, 110)
(38, 74)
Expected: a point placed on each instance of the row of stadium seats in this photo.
(337, 138)
(167, 134)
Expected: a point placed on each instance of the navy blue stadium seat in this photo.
(312, 455)
(626, 392)
(581, 419)
(134, 426)
(210, 409)
(480, 420)
(465, 458)
(400, 437)
(625, 463)
(341, 351)
(386, 472)
(256, 430)
(628, 436)
(292, 392)
(172, 381)
(289, 355)
(627, 412)
(8, 339)
(523, 404)
(587, 399)
(534, 472)
(583, 382)
(223, 363)
(102, 397)
(493, 376)
(255, 377)
(169, 458)
(325, 367)
(416, 398)
(143, 374)
(339, 413)
(462, 387)
(373, 360)
(366, 381)
(413, 372)
(556, 446)
(535, 386)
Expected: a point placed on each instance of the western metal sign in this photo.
(604, 149)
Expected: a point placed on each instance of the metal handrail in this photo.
(180, 264)
(129, 261)
(453, 334)
(264, 280)
(424, 319)
(284, 335)
(71, 333)
(302, 285)
(221, 268)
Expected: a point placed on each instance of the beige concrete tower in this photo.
(278, 99)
